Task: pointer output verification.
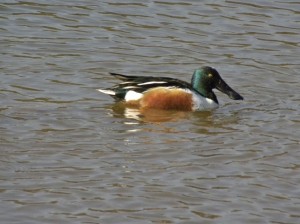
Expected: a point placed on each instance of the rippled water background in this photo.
(70, 155)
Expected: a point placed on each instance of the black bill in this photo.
(224, 88)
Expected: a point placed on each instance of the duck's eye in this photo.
(210, 75)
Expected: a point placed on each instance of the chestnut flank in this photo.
(167, 99)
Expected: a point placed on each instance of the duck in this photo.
(164, 93)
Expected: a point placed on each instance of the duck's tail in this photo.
(107, 91)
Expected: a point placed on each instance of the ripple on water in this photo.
(70, 155)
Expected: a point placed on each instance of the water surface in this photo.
(70, 155)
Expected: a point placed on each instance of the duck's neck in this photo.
(199, 84)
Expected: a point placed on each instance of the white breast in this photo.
(202, 103)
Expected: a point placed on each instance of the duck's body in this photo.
(172, 94)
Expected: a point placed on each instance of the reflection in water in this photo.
(150, 115)
(210, 122)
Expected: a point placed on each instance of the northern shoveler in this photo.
(172, 94)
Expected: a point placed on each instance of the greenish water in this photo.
(70, 155)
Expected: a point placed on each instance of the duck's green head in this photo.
(205, 79)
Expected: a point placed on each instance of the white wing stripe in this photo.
(150, 83)
(130, 87)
